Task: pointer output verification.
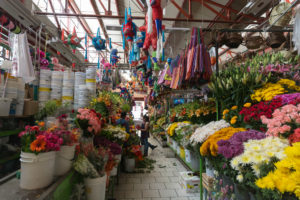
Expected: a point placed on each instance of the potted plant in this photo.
(38, 157)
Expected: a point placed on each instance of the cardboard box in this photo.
(189, 182)
(30, 107)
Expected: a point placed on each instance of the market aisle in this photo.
(160, 184)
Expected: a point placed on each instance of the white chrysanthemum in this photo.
(240, 178)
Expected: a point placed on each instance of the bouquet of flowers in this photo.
(134, 151)
(114, 133)
(256, 153)
(171, 128)
(114, 148)
(234, 146)
(231, 116)
(210, 146)
(203, 132)
(33, 140)
(288, 98)
(286, 176)
(284, 122)
(270, 90)
(89, 121)
(91, 162)
(251, 114)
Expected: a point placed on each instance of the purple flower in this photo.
(234, 146)
(287, 98)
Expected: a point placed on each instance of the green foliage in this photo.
(101, 108)
(50, 108)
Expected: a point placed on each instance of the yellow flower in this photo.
(234, 107)
(247, 105)
(224, 117)
(233, 121)
(225, 111)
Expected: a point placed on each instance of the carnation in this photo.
(202, 133)
(234, 146)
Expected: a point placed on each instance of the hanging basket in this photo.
(222, 39)
(276, 39)
(234, 40)
(278, 11)
(254, 42)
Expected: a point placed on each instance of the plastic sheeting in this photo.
(22, 64)
(296, 34)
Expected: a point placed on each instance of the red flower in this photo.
(35, 128)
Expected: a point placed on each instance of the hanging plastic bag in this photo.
(22, 64)
(296, 33)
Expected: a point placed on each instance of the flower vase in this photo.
(63, 161)
(209, 169)
(241, 193)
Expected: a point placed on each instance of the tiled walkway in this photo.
(160, 184)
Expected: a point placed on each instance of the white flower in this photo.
(202, 133)
(240, 178)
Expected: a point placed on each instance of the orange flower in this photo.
(41, 124)
(39, 144)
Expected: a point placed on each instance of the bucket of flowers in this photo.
(132, 152)
(38, 157)
(91, 163)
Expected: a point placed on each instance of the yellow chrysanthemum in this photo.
(234, 107)
(247, 105)
(225, 111)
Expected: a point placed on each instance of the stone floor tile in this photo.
(124, 187)
(167, 174)
(174, 179)
(183, 193)
(181, 198)
(157, 186)
(134, 180)
(148, 180)
(150, 193)
(173, 186)
(160, 199)
(162, 179)
(167, 193)
(141, 186)
(194, 198)
(133, 194)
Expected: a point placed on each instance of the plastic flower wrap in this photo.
(202, 133)
(270, 90)
(284, 121)
(210, 146)
(258, 152)
(286, 176)
(234, 146)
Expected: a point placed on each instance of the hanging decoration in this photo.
(114, 58)
(151, 34)
(86, 47)
(98, 42)
(129, 28)
(9, 24)
(72, 40)
(157, 15)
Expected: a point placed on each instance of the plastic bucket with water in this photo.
(95, 188)
(129, 164)
(63, 160)
(187, 155)
(37, 170)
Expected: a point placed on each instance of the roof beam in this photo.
(118, 10)
(99, 17)
(214, 11)
(55, 17)
(180, 9)
(141, 18)
(102, 5)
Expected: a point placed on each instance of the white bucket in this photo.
(4, 106)
(178, 150)
(63, 160)
(19, 108)
(114, 171)
(168, 139)
(175, 145)
(187, 155)
(37, 170)
(95, 188)
(118, 158)
(129, 164)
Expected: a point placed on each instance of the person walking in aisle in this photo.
(145, 135)
(123, 122)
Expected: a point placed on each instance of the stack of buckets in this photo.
(56, 85)
(83, 96)
(79, 80)
(91, 81)
(20, 97)
(11, 92)
(68, 87)
(45, 87)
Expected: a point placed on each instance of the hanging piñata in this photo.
(114, 58)
(98, 42)
(72, 40)
(128, 28)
